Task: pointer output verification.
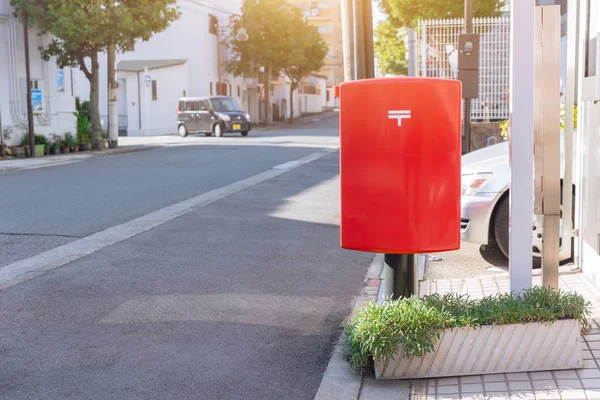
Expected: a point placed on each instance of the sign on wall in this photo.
(37, 101)
(60, 81)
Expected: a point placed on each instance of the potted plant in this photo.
(83, 125)
(452, 335)
(41, 142)
(84, 142)
(70, 141)
(56, 144)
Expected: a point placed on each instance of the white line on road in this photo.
(29, 268)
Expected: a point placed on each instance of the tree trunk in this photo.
(268, 107)
(97, 139)
(292, 88)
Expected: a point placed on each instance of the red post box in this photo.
(400, 165)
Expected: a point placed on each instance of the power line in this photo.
(209, 6)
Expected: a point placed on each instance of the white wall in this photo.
(59, 106)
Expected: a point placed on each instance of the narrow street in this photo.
(240, 297)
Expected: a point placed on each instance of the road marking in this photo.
(29, 268)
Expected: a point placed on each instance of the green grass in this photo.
(416, 323)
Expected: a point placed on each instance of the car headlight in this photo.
(472, 183)
(224, 117)
(248, 117)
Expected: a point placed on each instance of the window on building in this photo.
(238, 90)
(322, 4)
(154, 92)
(213, 24)
(211, 90)
(230, 92)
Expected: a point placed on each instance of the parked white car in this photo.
(485, 204)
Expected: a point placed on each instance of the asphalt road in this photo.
(239, 299)
(51, 206)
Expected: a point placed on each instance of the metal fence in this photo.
(438, 57)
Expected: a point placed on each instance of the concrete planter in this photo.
(492, 350)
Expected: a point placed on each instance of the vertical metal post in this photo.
(29, 101)
(405, 274)
(348, 39)
(467, 102)
(359, 48)
(567, 191)
(551, 132)
(113, 110)
(218, 28)
(412, 52)
(368, 46)
(1, 136)
(522, 48)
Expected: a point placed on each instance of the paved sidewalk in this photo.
(549, 385)
(340, 382)
(11, 164)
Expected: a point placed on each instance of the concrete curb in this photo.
(339, 381)
(75, 157)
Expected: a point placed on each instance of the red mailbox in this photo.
(400, 165)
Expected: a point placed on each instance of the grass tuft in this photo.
(416, 323)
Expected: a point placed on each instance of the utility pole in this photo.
(358, 35)
(411, 47)
(369, 48)
(29, 101)
(348, 39)
(113, 117)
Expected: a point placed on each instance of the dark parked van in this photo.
(208, 115)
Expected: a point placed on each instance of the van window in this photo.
(192, 106)
(204, 105)
(182, 106)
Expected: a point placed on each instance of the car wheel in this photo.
(244, 133)
(182, 130)
(218, 129)
(501, 235)
(208, 134)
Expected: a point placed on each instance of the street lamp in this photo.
(241, 36)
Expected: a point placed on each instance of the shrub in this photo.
(416, 323)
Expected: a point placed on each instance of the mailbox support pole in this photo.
(405, 275)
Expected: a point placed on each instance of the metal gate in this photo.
(437, 47)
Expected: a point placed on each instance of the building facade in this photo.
(326, 15)
(53, 91)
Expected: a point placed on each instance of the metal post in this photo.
(567, 209)
(218, 60)
(113, 118)
(405, 274)
(551, 142)
(29, 101)
(467, 102)
(368, 46)
(412, 52)
(1, 136)
(522, 49)
(358, 34)
(348, 39)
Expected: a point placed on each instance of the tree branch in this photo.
(83, 67)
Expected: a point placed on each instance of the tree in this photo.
(83, 28)
(271, 42)
(308, 56)
(390, 50)
(407, 13)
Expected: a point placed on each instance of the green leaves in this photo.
(81, 27)
(390, 50)
(278, 36)
(407, 13)
(416, 323)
